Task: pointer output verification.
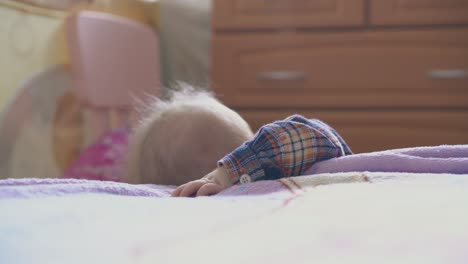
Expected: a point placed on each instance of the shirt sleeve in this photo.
(283, 149)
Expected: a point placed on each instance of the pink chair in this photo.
(114, 60)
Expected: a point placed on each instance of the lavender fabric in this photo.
(438, 159)
(33, 187)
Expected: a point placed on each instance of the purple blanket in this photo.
(438, 159)
(441, 159)
(32, 187)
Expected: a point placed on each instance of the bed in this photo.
(396, 206)
(353, 217)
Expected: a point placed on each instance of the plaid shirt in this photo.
(284, 148)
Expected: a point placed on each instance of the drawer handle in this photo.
(282, 76)
(448, 74)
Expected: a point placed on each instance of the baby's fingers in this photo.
(178, 190)
(191, 188)
(209, 189)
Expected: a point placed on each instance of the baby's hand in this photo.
(212, 183)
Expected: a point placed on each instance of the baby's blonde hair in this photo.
(182, 138)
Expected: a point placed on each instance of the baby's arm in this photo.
(280, 149)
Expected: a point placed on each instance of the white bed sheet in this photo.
(414, 218)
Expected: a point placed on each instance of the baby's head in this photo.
(182, 138)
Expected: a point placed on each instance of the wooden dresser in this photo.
(384, 73)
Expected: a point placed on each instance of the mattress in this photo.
(354, 217)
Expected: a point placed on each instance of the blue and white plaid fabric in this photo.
(285, 148)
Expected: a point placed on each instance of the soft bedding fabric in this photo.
(356, 217)
(30, 188)
(436, 159)
(357, 223)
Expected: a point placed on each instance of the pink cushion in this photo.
(113, 59)
(104, 160)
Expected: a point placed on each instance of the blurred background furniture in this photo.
(385, 73)
(34, 126)
(57, 96)
(31, 39)
(114, 63)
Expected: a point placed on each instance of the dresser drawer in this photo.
(373, 131)
(418, 12)
(261, 14)
(356, 69)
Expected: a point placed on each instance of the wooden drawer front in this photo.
(258, 14)
(360, 69)
(366, 131)
(418, 12)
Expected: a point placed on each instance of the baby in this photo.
(184, 138)
(280, 149)
(181, 139)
